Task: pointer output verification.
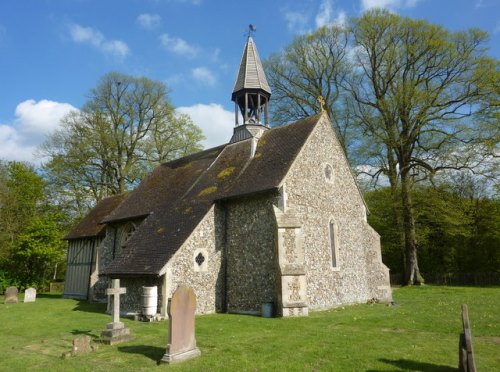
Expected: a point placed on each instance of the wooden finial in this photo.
(322, 103)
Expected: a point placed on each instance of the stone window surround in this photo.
(335, 241)
(128, 231)
(204, 265)
(324, 167)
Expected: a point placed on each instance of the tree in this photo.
(311, 66)
(38, 249)
(21, 196)
(30, 238)
(126, 127)
(424, 85)
(419, 94)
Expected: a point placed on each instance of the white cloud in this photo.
(203, 75)
(324, 17)
(296, 21)
(33, 121)
(149, 21)
(341, 19)
(388, 4)
(178, 46)
(216, 122)
(88, 35)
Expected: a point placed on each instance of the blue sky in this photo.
(53, 51)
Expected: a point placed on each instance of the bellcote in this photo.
(251, 95)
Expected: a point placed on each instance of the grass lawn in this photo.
(420, 333)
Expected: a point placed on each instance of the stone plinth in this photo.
(115, 333)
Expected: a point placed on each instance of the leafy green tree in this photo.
(421, 98)
(457, 231)
(38, 251)
(30, 244)
(21, 197)
(311, 66)
(126, 128)
(424, 84)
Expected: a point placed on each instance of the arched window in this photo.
(128, 231)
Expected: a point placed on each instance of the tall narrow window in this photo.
(334, 244)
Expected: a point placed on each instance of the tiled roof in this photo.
(91, 225)
(178, 194)
(251, 74)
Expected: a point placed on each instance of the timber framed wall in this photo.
(82, 259)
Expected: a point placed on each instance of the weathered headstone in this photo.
(11, 295)
(81, 345)
(30, 295)
(116, 331)
(181, 330)
(466, 362)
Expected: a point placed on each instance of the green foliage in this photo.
(124, 130)
(420, 333)
(455, 234)
(21, 198)
(37, 250)
(407, 98)
(30, 233)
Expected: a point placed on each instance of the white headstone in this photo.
(30, 295)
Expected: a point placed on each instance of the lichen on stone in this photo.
(207, 191)
(225, 172)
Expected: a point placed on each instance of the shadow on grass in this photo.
(90, 307)
(413, 365)
(51, 296)
(152, 352)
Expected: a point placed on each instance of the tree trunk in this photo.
(412, 272)
(392, 174)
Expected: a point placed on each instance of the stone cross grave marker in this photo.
(181, 330)
(116, 291)
(30, 295)
(115, 331)
(11, 295)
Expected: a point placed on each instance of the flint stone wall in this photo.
(207, 279)
(252, 267)
(110, 248)
(131, 302)
(318, 200)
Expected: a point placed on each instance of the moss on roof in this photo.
(178, 194)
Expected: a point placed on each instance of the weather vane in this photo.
(250, 30)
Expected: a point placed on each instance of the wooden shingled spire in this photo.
(251, 91)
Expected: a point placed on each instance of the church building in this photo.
(272, 216)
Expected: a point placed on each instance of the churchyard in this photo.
(419, 333)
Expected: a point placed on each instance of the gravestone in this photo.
(466, 362)
(115, 331)
(30, 295)
(81, 345)
(11, 295)
(181, 331)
